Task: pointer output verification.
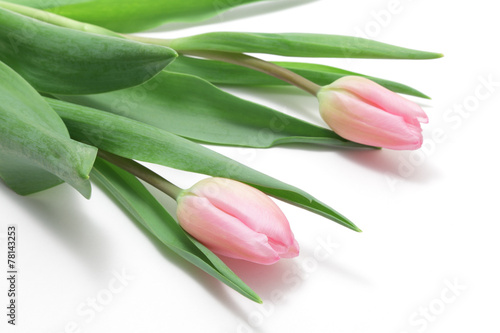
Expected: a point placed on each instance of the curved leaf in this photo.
(134, 16)
(219, 72)
(46, 3)
(146, 210)
(36, 151)
(65, 61)
(193, 108)
(135, 140)
(58, 20)
(295, 45)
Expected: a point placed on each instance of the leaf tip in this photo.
(434, 55)
(351, 226)
(258, 300)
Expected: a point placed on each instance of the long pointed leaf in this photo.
(46, 3)
(224, 73)
(132, 15)
(296, 45)
(61, 21)
(59, 60)
(146, 210)
(36, 151)
(193, 108)
(131, 139)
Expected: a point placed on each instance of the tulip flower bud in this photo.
(361, 110)
(236, 220)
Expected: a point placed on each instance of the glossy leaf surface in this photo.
(36, 151)
(55, 59)
(193, 108)
(135, 140)
(134, 16)
(224, 73)
(297, 45)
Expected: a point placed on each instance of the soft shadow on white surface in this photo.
(213, 286)
(264, 279)
(289, 275)
(398, 164)
(57, 210)
(253, 9)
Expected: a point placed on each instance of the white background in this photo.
(427, 260)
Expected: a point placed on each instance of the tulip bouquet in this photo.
(82, 98)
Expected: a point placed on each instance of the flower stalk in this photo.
(230, 218)
(261, 66)
(143, 173)
(241, 60)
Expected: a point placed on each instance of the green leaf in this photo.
(54, 59)
(224, 73)
(58, 20)
(296, 45)
(36, 151)
(135, 140)
(132, 15)
(46, 3)
(193, 108)
(146, 210)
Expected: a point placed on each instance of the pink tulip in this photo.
(236, 220)
(360, 110)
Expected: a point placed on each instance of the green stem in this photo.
(261, 66)
(241, 60)
(143, 173)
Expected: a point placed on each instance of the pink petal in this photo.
(291, 252)
(249, 205)
(381, 97)
(222, 233)
(358, 121)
